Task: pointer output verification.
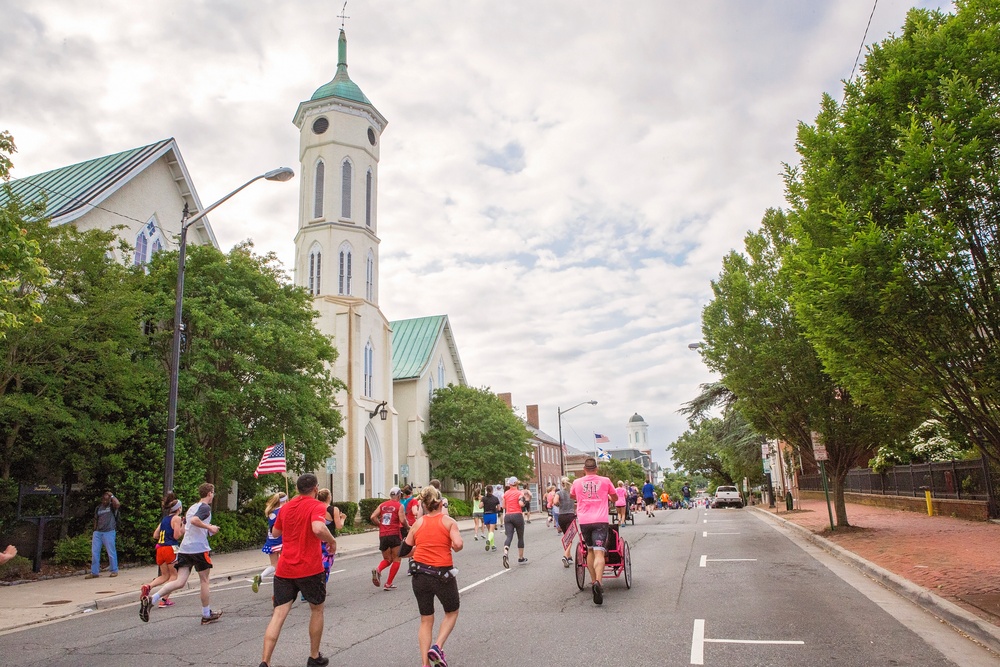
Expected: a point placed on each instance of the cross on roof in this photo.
(343, 15)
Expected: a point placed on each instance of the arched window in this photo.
(368, 198)
(319, 186)
(369, 378)
(315, 269)
(345, 190)
(370, 277)
(157, 247)
(440, 372)
(141, 244)
(344, 282)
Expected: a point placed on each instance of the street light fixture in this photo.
(562, 445)
(281, 174)
(695, 346)
(380, 411)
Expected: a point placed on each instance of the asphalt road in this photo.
(712, 587)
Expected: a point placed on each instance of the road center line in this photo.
(483, 581)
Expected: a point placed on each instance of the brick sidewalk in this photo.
(957, 559)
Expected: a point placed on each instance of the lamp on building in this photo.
(562, 445)
(379, 410)
(280, 174)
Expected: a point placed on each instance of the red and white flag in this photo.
(272, 461)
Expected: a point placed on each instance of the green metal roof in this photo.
(412, 344)
(78, 187)
(341, 84)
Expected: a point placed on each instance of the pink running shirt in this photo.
(591, 494)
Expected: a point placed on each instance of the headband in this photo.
(176, 507)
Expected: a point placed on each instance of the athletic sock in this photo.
(206, 611)
(156, 599)
(381, 566)
(491, 537)
(268, 571)
(393, 569)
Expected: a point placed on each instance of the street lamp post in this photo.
(281, 174)
(562, 445)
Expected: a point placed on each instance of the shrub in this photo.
(459, 507)
(238, 531)
(367, 506)
(18, 567)
(350, 512)
(73, 550)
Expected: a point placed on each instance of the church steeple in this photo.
(341, 84)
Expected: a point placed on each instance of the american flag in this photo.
(599, 438)
(272, 461)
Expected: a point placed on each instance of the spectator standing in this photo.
(105, 532)
(301, 525)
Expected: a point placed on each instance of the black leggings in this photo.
(514, 522)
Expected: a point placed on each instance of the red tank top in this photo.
(388, 518)
(432, 543)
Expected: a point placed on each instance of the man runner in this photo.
(649, 497)
(592, 493)
(194, 553)
(301, 525)
(391, 519)
(686, 493)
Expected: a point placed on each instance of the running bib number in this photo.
(386, 518)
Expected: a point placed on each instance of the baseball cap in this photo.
(394, 491)
(512, 480)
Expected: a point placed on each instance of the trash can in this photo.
(788, 500)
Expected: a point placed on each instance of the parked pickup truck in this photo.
(726, 496)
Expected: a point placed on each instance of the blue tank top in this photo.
(167, 538)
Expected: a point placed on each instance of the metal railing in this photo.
(958, 480)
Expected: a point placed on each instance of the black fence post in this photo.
(991, 501)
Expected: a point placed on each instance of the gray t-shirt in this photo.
(195, 540)
(566, 504)
(106, 519)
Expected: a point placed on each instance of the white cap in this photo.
(511, 481)
(394, 491)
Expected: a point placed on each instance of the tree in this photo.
(698, 450)
(473, 437)
(627, 471)
(896, 212)
(754, 341)
(254, 367)
(22, 272)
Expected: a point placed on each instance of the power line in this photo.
(862, 45)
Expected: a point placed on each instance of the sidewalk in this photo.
(948, 566)
(35, 602)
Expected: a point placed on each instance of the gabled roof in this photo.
(413, 342)
(78, 188)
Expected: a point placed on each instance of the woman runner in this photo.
(433, 538)
(272, 546)
(477, 514)
(620, 503)
(567, 515)
(514, 523)
(491, 505)
(167, 536)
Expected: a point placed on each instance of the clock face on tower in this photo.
(371, 136)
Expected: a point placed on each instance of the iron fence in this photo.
(959, 480)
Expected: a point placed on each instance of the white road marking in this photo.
(706, 533)
(705, 559)
(483, 581)
(698, 641)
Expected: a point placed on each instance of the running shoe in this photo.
(389, 587)
(487, 545)
(211, 618)
(436, 657)
(144, 591)
(475, 538)
(165, 602)
(255, 586)
(598, 593)
(318, 661)
(506, 561)
(567, 562)
(376, 577)
(144, 604)
(522, 561)
(493, 548)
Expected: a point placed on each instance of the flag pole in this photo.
(286, 462)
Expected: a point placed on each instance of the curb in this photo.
(961, 620)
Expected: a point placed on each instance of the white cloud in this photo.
(561, 178)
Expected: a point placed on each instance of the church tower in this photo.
(336, 260)
(637, 429)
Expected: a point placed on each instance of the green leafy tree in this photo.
(473, 437)
(22, 272)
(896, 212)
(627, 471)
(254, 368)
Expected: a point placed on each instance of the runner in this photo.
(491, 504)
(193, 553)
(665, 500)
(433, 538)
(334, 520)
(390, 518)
(167, 537)
(550, 508)
(412, 507)
(620, 502)
(498, 492)
(477, 514)
(525, 502)
(592, 493)
(272, 545)
(649, 497)
(301, 525)
(514, 522)
(567, 515)
(686, 493)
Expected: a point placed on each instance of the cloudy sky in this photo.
(562, 178)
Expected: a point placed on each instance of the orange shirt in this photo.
(512, 501)
(432, 542)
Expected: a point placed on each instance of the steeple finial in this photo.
(343, 15)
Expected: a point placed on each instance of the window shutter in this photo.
(368, 199)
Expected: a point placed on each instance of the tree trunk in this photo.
(839, 504)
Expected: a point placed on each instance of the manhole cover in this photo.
(58, 602)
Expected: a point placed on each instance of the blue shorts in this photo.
(490, 519)
(272, 545)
